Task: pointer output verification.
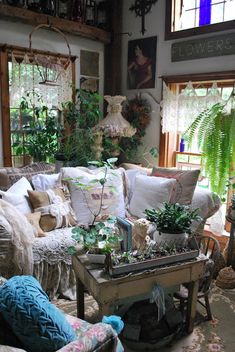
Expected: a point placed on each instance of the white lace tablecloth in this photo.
(54, 247)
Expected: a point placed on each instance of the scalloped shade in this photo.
(114, 124)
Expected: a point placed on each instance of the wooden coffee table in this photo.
(110, 292)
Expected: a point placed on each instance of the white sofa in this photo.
(52, 263)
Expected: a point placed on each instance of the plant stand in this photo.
(110, 292)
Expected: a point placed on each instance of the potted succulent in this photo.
(172, 222)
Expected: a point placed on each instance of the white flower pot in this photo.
(170, 238)
(96, 258)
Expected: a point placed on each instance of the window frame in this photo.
(169, 141)
(216, 27)
(5, 94)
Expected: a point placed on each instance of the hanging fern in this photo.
(215, 130)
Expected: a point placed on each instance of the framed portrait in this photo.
(141, 69)
(125, 230)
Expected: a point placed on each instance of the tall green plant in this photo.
(80, 116)
(41, 129)
(215, 130)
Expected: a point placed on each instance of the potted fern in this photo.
(215, 131)
(172, 222)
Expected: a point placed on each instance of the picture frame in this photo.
(141, 66)
(125, 229)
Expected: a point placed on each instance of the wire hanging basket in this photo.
(50, 67)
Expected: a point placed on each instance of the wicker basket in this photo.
(226, 278)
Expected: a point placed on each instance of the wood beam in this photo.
(113, 52)
(6, 130)
(17, 14)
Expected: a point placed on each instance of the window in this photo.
(31, 109)
(188, 17)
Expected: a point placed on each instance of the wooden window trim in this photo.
(216, 27)
(5, 94)
(5, 109)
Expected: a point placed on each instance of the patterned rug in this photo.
(217, 335)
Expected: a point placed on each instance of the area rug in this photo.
(217, 335)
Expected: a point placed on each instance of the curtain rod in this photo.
(23, 50)
(222, 75)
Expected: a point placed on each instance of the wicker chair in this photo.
(210, 247)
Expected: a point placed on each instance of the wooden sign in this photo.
(218, 45)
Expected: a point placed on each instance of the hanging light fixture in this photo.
(49, 67)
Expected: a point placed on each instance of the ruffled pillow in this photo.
(56, 211)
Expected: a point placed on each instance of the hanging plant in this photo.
(138, 112)
(215, 131)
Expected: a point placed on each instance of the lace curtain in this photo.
(25, 77)
(178, 111)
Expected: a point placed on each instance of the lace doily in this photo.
(54, 247)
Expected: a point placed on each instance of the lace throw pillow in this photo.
(56, 211)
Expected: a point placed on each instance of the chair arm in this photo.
(99, 337)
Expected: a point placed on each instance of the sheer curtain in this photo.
(179, 110)
(25, 77)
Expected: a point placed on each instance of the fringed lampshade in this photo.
(114, 124)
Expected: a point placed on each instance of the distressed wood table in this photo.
(110, 292)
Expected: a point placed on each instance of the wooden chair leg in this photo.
(208, 308)
(182, 306)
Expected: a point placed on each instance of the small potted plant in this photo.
(99, 237)
(172, 222)
(98, 240)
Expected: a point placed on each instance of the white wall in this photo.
(18, 34)
(155, 26)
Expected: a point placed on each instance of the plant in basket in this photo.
(172, 222)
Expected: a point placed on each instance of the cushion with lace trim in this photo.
(56, 211)
(33, 219)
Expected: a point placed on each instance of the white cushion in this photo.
(150, 192)
(83, 200)
(17, 195)
(43, 182)
(131, 175)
